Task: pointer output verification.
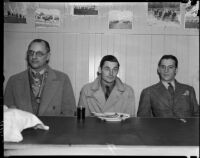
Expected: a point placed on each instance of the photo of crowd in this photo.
(164, 13)
(14, 13)
(85, 10)
(192, 15)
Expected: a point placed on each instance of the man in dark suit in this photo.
(40, 89)
(168, 98)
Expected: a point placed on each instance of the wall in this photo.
(79, 43)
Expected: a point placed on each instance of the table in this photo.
(134, 136)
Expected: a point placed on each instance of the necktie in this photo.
(37, 78)
(171, 89)
(107, 92)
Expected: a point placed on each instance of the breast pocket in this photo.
(183, 103)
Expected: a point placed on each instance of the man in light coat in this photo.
(107, 93)
(40, 89)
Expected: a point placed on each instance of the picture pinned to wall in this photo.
(120, 19)
(192, 14)
(84, 9)
(47, 17)
(164, 14)
(15, 12)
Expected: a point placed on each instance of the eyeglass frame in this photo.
(37, 53)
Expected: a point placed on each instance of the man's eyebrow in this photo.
(112, 68)
(106, 66)
(167, 65)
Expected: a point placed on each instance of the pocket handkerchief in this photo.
(15, 121)
(186, 93)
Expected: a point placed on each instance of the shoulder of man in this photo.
(60, 74)
(184, 86)
(18, 75)
(152, 87)
(87, 86)
(128, 87)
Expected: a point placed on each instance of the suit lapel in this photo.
(23, 87)
(49, 90)
(112, 99)
(100, 98)
(162, 94)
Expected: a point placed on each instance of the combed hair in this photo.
(110, 58)
(169, 57)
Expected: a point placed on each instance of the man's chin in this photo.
(36, 67)
(109, 81)
(167, 79)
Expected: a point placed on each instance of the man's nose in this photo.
(166, 69)
(34, 55)
(111, 72)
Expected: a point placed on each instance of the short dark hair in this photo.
(40, 41)
(110, 58)
(169, 57)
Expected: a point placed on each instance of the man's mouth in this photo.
(110, 77)
(34, 61)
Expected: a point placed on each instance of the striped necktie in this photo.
(171, 89)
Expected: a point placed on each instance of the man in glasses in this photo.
(107, 93)
(40, 89)
(168, 98)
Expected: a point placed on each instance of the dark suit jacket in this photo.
(155, 102)
(57, 97)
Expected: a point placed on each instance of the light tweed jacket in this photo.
(57, 97)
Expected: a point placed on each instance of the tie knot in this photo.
(170, 85)
(107, 87)
(37, 74)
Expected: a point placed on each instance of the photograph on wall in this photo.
(47, 17)
(164, 14)
(120, 19)
(84, 10)
(15, 12)
(192, 14)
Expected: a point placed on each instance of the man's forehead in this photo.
(167, 62)
(110, 64)
(38, 45)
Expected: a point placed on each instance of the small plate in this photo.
(112, 116)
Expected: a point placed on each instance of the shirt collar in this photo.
(41, 71)
(104, 86)
(165, 83)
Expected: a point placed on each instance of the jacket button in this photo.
(54, 107)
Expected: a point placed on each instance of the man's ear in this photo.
(176, 71)
(48, 57)
(99, 70)
(158, 71)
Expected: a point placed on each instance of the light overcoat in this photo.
(121, 99)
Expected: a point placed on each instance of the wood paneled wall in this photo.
(80, 42)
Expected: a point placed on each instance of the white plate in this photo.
(112, 116)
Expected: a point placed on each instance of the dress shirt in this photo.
(167, 85)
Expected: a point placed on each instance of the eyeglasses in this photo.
(38, 53)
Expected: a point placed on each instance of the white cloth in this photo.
(15, 121)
